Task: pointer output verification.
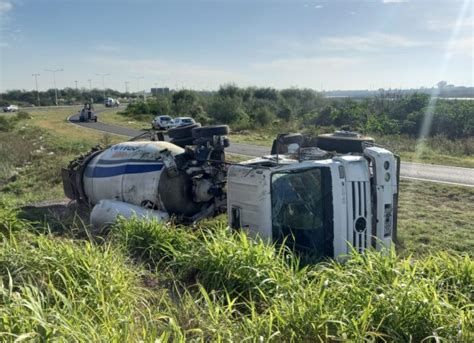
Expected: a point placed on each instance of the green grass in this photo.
(32, 156)
(116, 117)
(151, 281)
(436, 217)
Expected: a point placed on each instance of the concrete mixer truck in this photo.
(321, 202)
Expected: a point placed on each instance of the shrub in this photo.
(22, 115)
(6, 124)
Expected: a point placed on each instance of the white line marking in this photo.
(436, 165)
(437, 181)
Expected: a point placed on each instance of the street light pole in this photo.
(103, 82)
(54, 81)
(37, 91)
(90, 90)
(138, 86)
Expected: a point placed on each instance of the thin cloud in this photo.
(5, 6)
(307, 64)
(462, 46)
(374, 41)
(107, 48)
(446, 25)
(394, 1)
(157, 68)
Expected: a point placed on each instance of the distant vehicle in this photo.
(162, 123)
(87, 113)
(111, 102)
(182, 121)
(10, 108)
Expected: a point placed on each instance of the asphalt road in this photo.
(416, 171)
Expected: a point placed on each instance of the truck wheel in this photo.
(183, 131)
(209, 131)
(292, 138)
(182, 142)
(280, 144)
(342, 144)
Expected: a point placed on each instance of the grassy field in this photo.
(114, 117)
(150, 281)
(34, 150)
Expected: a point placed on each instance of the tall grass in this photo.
(250, 290)
(58, 289)
(152, 281)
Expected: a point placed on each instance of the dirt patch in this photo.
(58, 216)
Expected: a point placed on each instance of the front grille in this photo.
(360, 219)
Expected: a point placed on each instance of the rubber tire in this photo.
(342, 145)
(209, 131)
(182, 142)
(182, 131)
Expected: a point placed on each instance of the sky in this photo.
(324, 45)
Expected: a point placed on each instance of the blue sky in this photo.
(203, 44)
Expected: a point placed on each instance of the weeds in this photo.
(59, 289)
(250, 290)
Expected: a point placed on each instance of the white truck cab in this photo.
(321, 207)
(111, 102)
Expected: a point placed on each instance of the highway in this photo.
(409, 170)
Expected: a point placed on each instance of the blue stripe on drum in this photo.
(112, 162)
(123, 169)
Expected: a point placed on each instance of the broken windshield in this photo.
(302, 209)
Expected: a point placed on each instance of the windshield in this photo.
(165, 118)
(302, 210)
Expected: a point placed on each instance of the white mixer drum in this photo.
(128, 172)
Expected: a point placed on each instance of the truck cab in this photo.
(323, 205)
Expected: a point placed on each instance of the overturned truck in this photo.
(320, 195)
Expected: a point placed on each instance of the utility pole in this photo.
(54, 81)
(75, 81)
(126, 86)
(90, 89)
(138, 82)
(103, 81)
(37, 91)
(138, 78)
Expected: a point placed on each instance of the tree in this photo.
(183, 102)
